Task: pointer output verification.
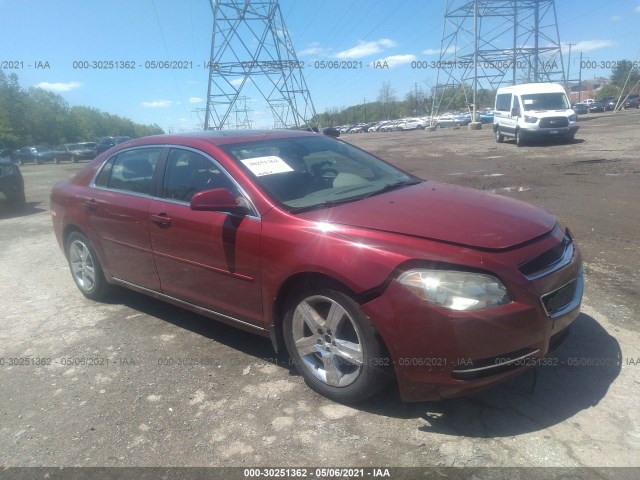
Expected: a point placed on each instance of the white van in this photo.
(533, 110)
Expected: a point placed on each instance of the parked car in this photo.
(533, 111)
(411, 124)
(453, 120)
(580, 108)
(596, 106)
(83, 150)
(106, 143)
(331, 131)
(37, 154)
(11, 182)
(632, 101)
(485, 116)
(328, 251)
(60, 153)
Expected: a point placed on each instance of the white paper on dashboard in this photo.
(269, 165)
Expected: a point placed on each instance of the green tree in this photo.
(624, 75)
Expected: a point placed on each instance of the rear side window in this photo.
(503, 102)
(130, 171)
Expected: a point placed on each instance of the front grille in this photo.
(549, 261)
(554, 122)
(565, 298)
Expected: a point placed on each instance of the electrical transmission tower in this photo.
(489, 43)
(251, 51)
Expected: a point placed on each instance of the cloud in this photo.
(157, 104)
(59, 87)
(588, 45)
(364, 49)
(397, 60)
(431, 51)
(638, 9)
(313, 49)
(237, 82)
(616, 18)
(195, 100)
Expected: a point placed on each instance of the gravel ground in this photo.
(104, 393)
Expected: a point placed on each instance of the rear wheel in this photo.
(85, 267)
(334, 346)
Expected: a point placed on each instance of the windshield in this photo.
(545, 101)
(309, 172)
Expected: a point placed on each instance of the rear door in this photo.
(502, 114)
(118, 209)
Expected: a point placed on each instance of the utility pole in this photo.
(568, 79)
(251, 49)
(580, 80)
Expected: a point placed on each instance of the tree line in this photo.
(36, 116)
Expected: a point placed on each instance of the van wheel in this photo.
(519, 141)
(499, 136)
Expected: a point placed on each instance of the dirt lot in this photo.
(106, 396)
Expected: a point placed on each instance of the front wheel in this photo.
(519, 140)
(499, 136)
(85, 267)
(335, 347)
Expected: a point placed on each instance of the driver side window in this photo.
(188, 173)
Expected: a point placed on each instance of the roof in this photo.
(221, 137)
(532, 88)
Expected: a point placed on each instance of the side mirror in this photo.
(216, 200)
(515, 112)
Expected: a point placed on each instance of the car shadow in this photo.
(30, 208)
(578, 378)
(549, 142)
(245, 342)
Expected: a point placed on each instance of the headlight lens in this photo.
(530, 119)
(573, 118)
(462, 291)
(8, 170)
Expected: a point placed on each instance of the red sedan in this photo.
(364, 273)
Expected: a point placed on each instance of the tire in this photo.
(85, 267)
(17, 201)
(570, 138)
(334, 346)
(499, 136)
(519, 141)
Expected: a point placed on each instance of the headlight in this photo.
(456, 290)
(530, 119)
(573, 118)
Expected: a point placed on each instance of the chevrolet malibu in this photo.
(365, 274)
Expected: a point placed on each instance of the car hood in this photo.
(445, 213)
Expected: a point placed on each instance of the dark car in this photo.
(38, 154)
(597, 106)
(580, 108)
(106, 143)
(11, 182)
(632, 101)
(330, 252)
(331, 131)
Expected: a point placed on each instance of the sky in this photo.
(47, 42)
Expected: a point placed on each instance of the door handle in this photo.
(90, 205)
(161, 219)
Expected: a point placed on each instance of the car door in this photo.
(117, 206)
(210, 259)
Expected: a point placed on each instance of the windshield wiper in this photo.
(325, 204)
(392, 186)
